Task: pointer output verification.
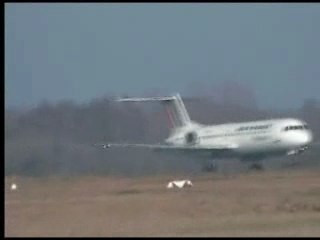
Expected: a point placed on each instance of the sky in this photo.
(82, 51)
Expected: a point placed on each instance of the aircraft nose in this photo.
(307, 138)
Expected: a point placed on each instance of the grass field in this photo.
(271, 203)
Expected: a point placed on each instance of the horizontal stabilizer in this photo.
(174, 106)
(145, 99)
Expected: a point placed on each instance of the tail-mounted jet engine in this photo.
(191, 138)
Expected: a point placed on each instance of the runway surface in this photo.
(271, 203)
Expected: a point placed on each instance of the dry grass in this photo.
(283, 203)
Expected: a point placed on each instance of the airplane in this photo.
(248, 141)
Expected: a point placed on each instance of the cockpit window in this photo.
(296, 127)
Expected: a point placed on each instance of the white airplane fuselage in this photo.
(246, 140)
(257, 139)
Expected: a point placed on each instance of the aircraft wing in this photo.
(165, 147)
(315, 145)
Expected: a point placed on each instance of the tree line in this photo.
(57, 138)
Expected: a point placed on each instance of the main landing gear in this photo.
(256, 167)
(210, 166)
(255, 164)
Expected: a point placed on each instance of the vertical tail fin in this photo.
(177, 113)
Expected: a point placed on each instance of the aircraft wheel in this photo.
(256, 166)
(292, 163)
(210, 167)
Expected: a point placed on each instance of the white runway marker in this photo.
(13, 187)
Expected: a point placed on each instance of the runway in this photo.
(271, 203)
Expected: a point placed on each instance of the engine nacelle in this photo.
(191, 138)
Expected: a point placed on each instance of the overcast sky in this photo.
(81, 51)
